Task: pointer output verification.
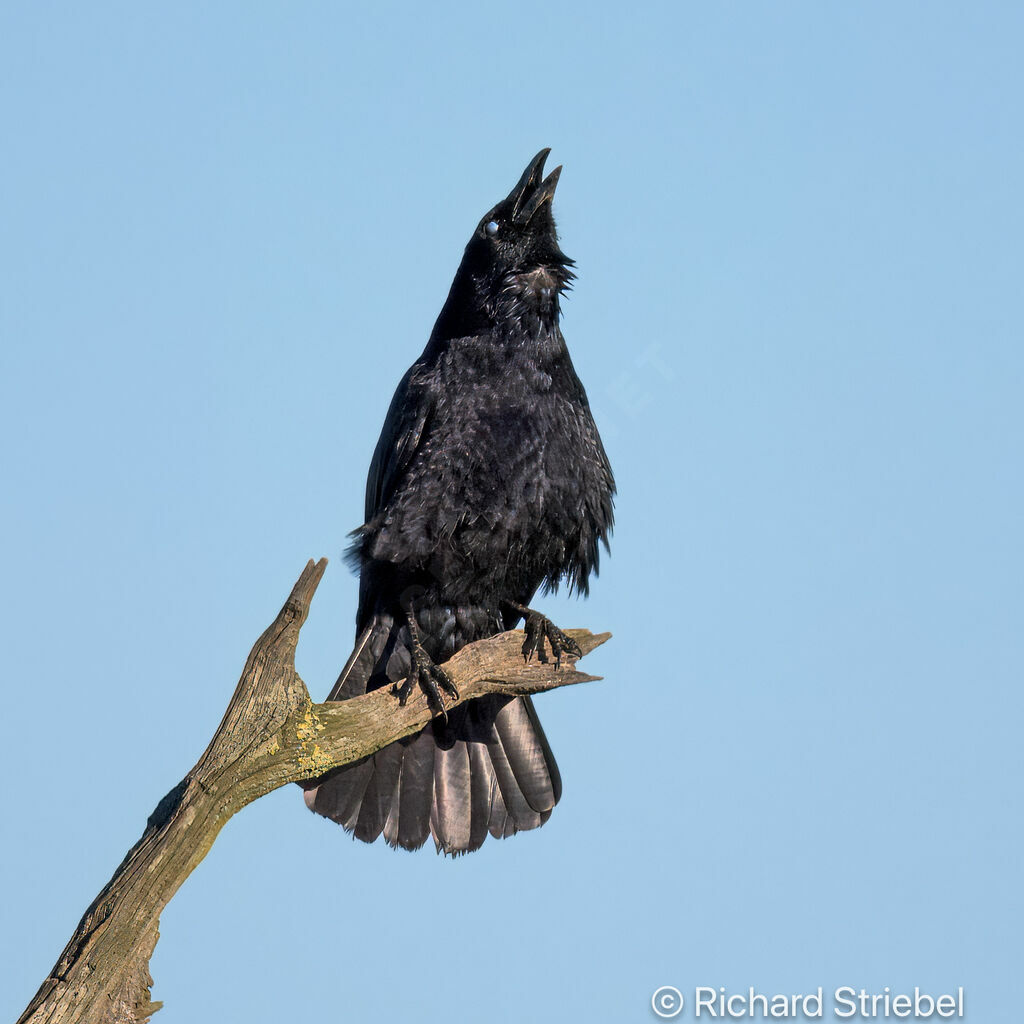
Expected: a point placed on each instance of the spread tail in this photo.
(488, 769)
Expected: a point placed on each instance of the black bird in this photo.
(488, 482)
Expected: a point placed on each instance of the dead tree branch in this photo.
(271, 734)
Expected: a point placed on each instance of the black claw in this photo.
(534, 642)
(556, 650)
(434, 698)
(444, 681)
(562, 642)
(402, 692)
(432, 678)
(538, 628)
(528, 643)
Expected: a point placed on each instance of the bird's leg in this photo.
(537, 628)
(431, 677)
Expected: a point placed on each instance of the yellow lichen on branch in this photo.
(271, 734)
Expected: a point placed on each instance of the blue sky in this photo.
(226, 231)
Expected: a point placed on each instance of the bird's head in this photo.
(513, 265)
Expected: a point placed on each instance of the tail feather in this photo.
(520, 812)
(381, 793)
(488, 769)
(408, 823)
(483, 783)
(349, 798)
(451, 815)
(526, 750)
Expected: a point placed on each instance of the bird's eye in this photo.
(491, 227)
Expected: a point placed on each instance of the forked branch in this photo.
(271, 734)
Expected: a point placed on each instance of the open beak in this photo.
(533, 191)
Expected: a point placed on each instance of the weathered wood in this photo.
(271, 734)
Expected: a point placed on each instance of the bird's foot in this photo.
(540, 627)
(430, 676)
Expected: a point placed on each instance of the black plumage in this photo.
(489, 481)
